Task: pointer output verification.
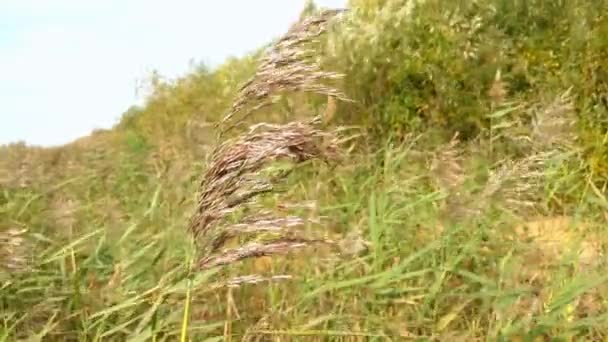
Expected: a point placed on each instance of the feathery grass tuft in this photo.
(13, 250)
(553, 125)
(516, 184)
(288, 65)
(446, 165)
(235, 179)
(237, 175)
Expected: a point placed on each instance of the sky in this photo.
(68, 67)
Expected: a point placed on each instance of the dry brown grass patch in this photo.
(555, 237)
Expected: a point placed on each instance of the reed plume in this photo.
(240, 169)
(288, 65)
(12, 250)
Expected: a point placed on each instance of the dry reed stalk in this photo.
(255, 279)
(498, 90)
(553, 125)
(516, 184)
(279, 246)
(233, 182)
(447, 171)
(239, 170)
(446, 165)
(513, 185)
(12, 250)
(288, 65)
(233, 177)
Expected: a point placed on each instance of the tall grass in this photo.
(410, 232)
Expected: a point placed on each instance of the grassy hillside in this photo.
(469, 201)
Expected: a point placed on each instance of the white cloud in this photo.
(71, 66)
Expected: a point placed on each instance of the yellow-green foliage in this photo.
(181, 111)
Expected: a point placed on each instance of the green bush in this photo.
(415, 65)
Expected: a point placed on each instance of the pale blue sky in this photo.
(70, 66)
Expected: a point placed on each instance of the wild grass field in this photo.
(427, 170)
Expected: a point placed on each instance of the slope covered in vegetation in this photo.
(470, 201)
